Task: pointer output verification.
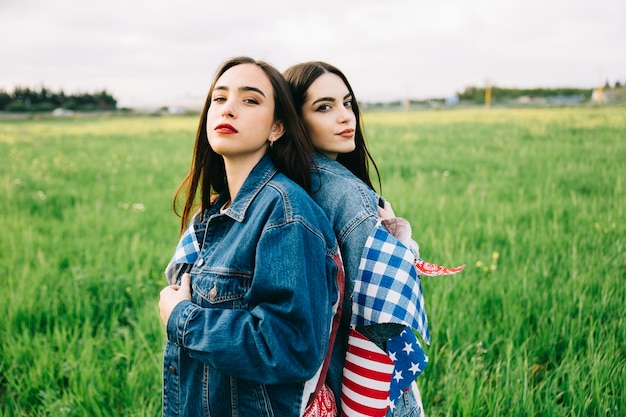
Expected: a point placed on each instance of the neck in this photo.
(237, 170)
(331, 155)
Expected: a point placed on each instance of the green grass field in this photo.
(531, 200)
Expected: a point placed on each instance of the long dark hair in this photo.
(291, 154)
(300, 77)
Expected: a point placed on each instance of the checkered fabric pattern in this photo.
(187, 250)
(188, 247)
(388, 289)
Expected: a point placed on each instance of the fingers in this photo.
(386, 212)
(164, 307)
(185, 287)
(185, 280)
(389, 209)
(172, 295)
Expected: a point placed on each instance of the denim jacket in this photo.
(352, 208)
(254, 335)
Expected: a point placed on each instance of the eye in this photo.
(323, 107)
(347, 103)
(219, 99)
(251, 101)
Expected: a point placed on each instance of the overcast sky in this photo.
(158, 52)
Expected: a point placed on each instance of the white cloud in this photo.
(158, 51)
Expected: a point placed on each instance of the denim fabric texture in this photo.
(352, 208)
(263, 286)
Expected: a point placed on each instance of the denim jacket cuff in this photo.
(178, 320)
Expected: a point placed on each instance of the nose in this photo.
(346, 115)
(228, 109)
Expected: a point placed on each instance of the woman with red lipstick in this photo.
(329, 110)
(256, 278)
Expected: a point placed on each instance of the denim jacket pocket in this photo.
(212, 290)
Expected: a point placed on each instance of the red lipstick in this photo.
(225, 128)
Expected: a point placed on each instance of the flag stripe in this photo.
(363, 380)
(366, 378)
(378, 393)
(351, 408)
(381, 376)
(367, 354)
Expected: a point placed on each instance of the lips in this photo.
(225, 129)
(347, 133)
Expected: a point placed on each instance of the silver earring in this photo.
(271, 144)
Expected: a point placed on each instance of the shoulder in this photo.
(288, 192)
(292, 204)
(329, 168)
(335, 187)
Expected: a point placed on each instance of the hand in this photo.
(172, 295)
(387, 212)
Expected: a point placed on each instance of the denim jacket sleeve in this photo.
(352, 241)
(351, 208)
(281, 335)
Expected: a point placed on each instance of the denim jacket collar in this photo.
(260, 175)
(322, 160)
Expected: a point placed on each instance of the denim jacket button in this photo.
(200, 262)
(171, 370)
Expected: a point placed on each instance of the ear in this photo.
(278, 129)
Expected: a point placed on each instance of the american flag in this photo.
(367, 377)
(387, 290)
(409, 361)
(374, 379)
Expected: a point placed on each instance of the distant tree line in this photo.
(24, 99)
(477, 94)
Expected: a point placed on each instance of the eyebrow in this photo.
(242, 89)
(331, 99)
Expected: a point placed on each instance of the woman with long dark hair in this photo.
(341, 185)
(253, 282)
